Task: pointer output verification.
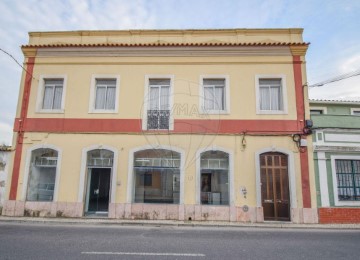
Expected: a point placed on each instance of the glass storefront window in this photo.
(42, 175)
(214, 181)
(157, 176)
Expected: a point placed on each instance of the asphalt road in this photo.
(52, 241)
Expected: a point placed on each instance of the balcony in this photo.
(158, 119)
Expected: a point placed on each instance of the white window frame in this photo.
(284, 111)
(83, 173)
(93, 94)
(41, 92)
(231, 173)
(202, 95)
(27, 170)
(353, 110)
(146, 103)
(337, 202)
(323, 109)
(130, 196)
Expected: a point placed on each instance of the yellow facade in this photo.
(186, 57)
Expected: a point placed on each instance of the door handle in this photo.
(269, 201)
(278, 201)
(96, 192)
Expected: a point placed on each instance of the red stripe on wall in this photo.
(19, 140)
(77, 125)
(304, 161)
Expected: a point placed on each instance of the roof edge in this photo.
(164, 31)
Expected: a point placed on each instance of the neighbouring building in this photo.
(164, 124)
(337, 159)
(5, 152)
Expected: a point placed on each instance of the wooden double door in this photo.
(275, 186)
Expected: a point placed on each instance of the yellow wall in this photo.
(186, 72)
(244, 159)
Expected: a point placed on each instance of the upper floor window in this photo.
(158, 113)
(355, 111)
(271, 95)
(318, 110)
(214, 94)
(104, 94)
(51, 94)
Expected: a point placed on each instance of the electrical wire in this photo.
(335, 79)
(18, 63)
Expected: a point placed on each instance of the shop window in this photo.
(214, 181)
(42, 175)
(157, 176)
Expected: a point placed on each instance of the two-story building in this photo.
(164, 124)
(337, 159)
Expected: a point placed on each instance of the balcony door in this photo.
(158, 113)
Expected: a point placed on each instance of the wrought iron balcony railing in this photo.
(158, 119)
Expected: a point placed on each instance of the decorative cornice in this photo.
(297, 46)
(299, 50)
(29, 51)
(161, 51)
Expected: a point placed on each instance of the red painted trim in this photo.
(305, 183)
(77, 125)
(304, 160)
(299, 92)
(20, 137)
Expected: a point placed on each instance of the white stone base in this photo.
(154, 212)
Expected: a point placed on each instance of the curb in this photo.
(159, 223)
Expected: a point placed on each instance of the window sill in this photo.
(271, 112)
(214, 112)
(347, 203)
(51, 111)
(103, 112)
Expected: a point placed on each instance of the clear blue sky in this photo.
(332, 27)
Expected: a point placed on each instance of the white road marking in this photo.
(141, 254)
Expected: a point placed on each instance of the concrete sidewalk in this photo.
(123, 222)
